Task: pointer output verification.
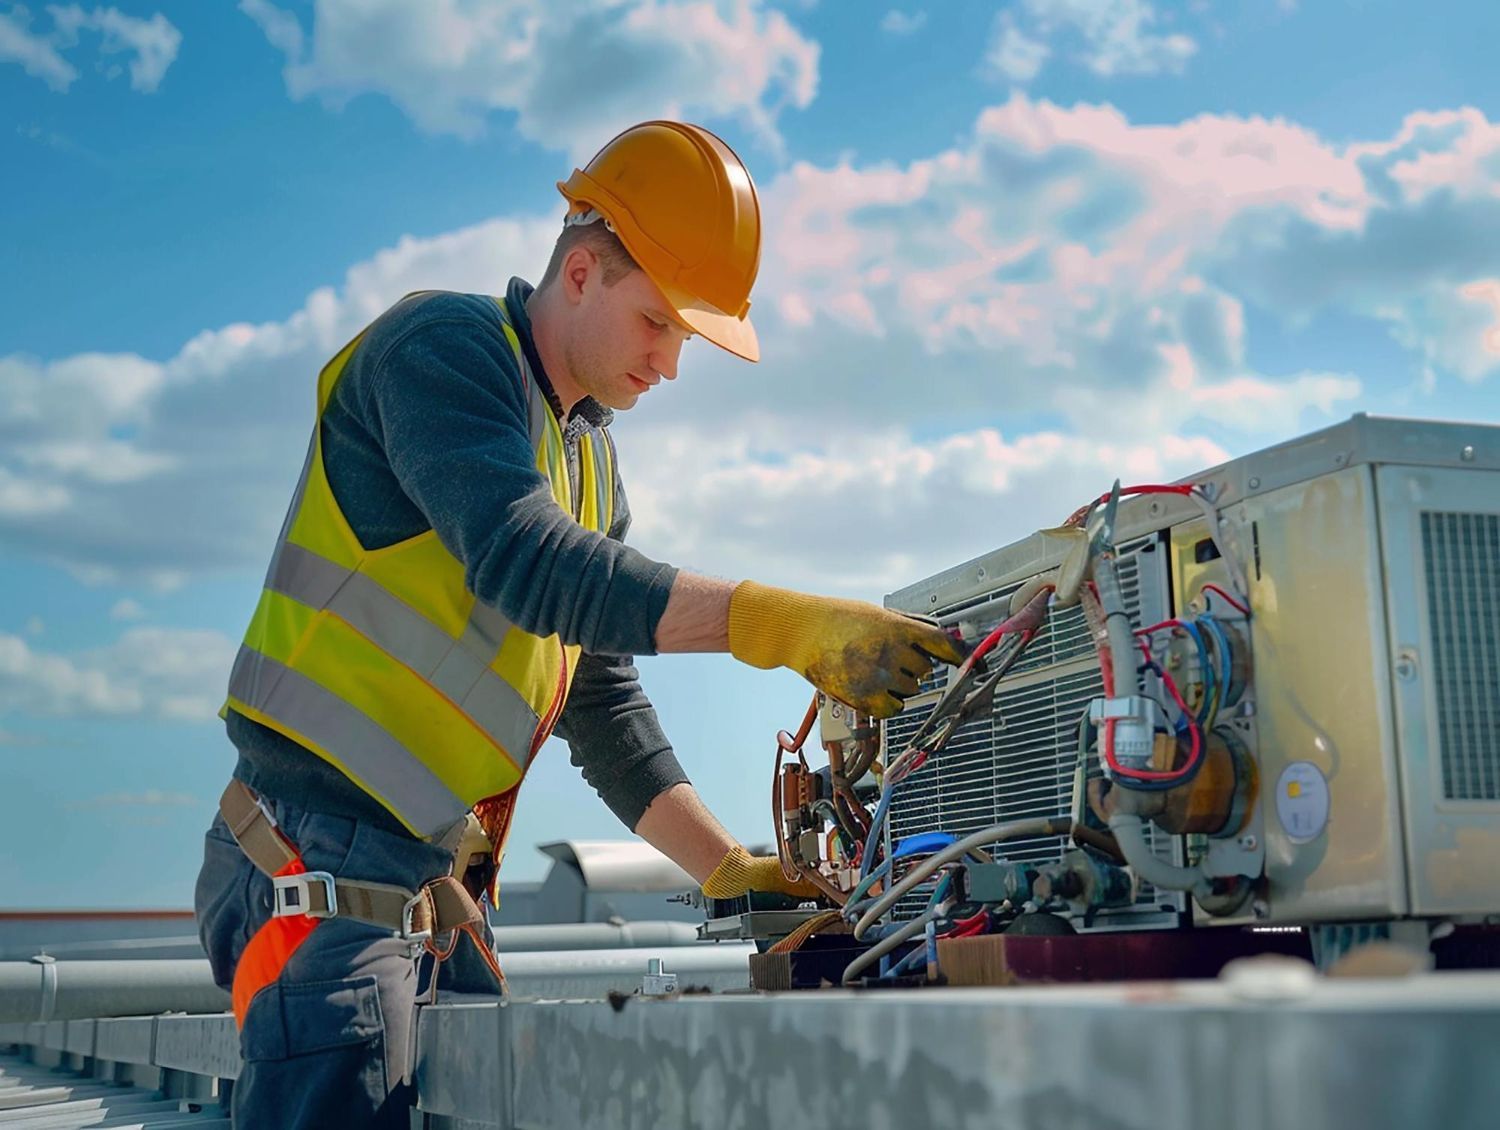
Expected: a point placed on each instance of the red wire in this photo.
(918, 760)
(1215, 588)
(1145, 488)
(1154, 488)
(1155, 774)
(978, 927)
(1004, 628)
(985, 646)
(1158, 627)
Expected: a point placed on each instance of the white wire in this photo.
(1237, 577)
(894, 939)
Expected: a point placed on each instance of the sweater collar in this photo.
(588, 413)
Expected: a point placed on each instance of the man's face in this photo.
(623, 339)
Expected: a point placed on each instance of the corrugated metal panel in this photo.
(1461, 555)
(41, 1098)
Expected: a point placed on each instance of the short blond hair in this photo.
(605, 244)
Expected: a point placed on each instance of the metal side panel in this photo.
(1441, 529)
(1392, 1055)
(207, 1045)
(462, 1061)
(1323, 695)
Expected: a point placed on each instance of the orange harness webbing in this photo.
(269, 950)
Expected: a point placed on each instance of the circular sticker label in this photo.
(1302, 801)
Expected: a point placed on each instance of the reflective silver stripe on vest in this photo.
(366, 749)
(459, 669)
(604, 479)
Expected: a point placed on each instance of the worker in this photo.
(451, 586)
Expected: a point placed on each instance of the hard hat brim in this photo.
(735, 335)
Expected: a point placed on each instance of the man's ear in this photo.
(579, 265)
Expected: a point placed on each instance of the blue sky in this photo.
(1011, 252)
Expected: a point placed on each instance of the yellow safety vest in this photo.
(383, 663)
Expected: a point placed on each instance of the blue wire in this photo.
(876, 824)
(1225, 660)
(905, 965)
(1208, 671)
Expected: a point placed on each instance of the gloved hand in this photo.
(739, 872)
(474, 858)
(859, 653)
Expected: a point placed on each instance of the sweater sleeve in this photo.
(616, 739)
(611, 727)
(446, 401)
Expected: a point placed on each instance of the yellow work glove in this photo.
(859, 653)
(739, 873)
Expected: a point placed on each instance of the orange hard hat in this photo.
(685, 208)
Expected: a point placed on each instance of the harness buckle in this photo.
(408, 914)
(295, 895)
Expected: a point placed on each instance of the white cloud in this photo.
(1072, 246)
(122, 468)
(1109, 37)
(25, 498)
(151, 44)
(1456, 329)
(1117, 35)
(867, 512)
(449, 63)
(36, 53)
(897, 22)
(161, 672)
(1061, 266)
(1013, 54)
(127, 609)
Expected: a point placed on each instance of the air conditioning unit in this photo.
(1356, 723)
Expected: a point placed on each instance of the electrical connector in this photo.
(1133, 732)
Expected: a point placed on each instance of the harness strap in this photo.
(436, 908)
(304, 898)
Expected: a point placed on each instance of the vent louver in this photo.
(1461, 554)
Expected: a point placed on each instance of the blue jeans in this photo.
(330, 1043)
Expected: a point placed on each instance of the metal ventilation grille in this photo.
(1462, 557)
(1019, 762)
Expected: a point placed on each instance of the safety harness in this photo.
(303, 898)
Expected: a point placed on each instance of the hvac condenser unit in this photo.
(1363, 712)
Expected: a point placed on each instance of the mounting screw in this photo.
(1406, 664)
(1249, 842)
(1254, 484)
(1260, 908)
(1340, 459)
(1467, 454)
(932, 599)
(980, 574)
(837, 710)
